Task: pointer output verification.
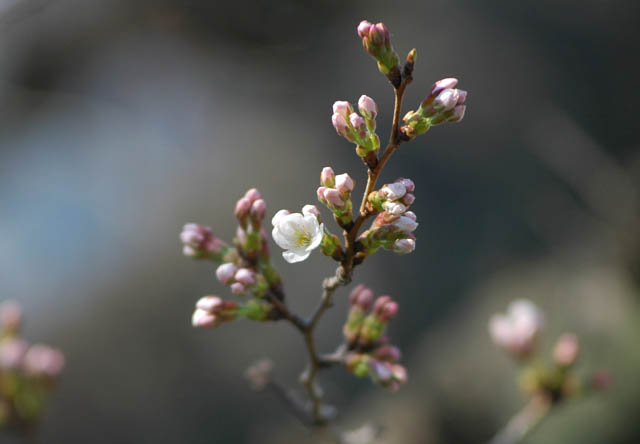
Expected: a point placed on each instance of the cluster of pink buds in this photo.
(517, 332)
(335, 193)
(445, 103)
(358, 128)
(393, 226)
(246, 269)
(376, 41)
(28, 372)
(368, 351)
(200, 243)
(241, 280)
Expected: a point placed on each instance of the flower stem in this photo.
(524, 421)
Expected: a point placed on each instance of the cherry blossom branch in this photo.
(524, 421)
(345, 270)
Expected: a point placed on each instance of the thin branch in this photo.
(345, 270)
(524, 421)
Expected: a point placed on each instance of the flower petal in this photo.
(293, 256)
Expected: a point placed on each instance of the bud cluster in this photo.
(28, 373)
(212, 311)
(358, 128)
(517, 333)
(369, 354)
(246, 269)
(200, 243)
(444, 104)
(335, 193)
(393, 226)
(376, 41)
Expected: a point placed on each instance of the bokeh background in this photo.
(121, 120)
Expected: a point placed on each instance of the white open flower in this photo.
(297, 233)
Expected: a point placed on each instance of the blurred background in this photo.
(121, 120)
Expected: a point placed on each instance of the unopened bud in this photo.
(408, 199)
(238, 288)
(258, 210)
(210, 304)
(327, 177)
(242, 208)
(12, 351)
(199, 242)
(226, 272)
(405, 224)
(387, 353)
(408, 184)
(566, 350)
(245, 276)
(359, 125)
(342, 108)
(202, 318)
(311, 209)
(446, 100)
(368, 108)
(344, 184)
(342, 127)
(333, 196)
(385, 308)
(393, 191)
(43, 361)
(252, 195)
(404, 246)
(394, 208)
(362, 297)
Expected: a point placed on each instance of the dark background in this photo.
(122, 120)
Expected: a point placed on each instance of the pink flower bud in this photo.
(342, 108)
(408, 199)
(367, 107)
(565, 352)
(10, 315)
(393, 191)
(333, 196)
(242, 208)
(238, 288)
(446, 100)
(404, 246)
(399, 373)
(458, 114)
(443, 84)
(12, 351)
(341, 126)
(405, 224)
(358, 124)
(226, 272)
(42, 360)
(387, 353)
(245, 276)
(211, 304)
(344, 184)
(394, 208)
(258, 210)
(379, 34)
(311, 209)
(408, 184)
(380, 371)
(252, 195)
(411, 215)
(199, 240)
(462, 97)
(202, 318)
(385, 308)
(327, 177)
(363, 28)
(362, 297)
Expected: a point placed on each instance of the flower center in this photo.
(302, 238)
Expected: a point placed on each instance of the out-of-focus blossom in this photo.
(517, 330)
